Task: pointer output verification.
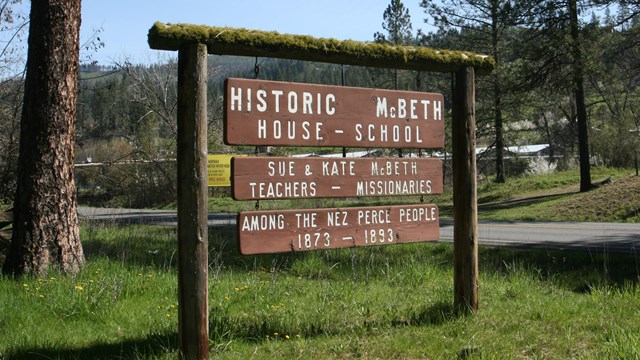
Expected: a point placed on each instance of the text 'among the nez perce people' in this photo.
(301, 230)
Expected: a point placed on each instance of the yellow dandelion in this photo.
(275, 334)
(79, 287)
(25, 285)
(298, 336)
(91, 281)
(41, 296)
(287, 337)
(237, 289)
(168, 315)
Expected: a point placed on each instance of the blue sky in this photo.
(124, 23)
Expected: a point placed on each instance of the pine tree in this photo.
(45, 231)
(483, 25)
(397, 23)
(560, 52)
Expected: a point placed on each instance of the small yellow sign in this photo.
(219, 170)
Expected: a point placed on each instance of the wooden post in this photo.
(193, 305)
(465, 207)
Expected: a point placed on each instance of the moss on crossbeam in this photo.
(244, 42)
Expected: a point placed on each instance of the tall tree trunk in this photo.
(547, 132)
(581, 109)
(497, 94)
(45, 231)
(500, 178)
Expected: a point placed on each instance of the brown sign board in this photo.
(263, 178)
(277, 231)
(260, 112)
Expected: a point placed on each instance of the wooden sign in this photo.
(260, 112)
(257, 178)
(262, 232)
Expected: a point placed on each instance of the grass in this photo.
(392, 302)
(110, 299)
(537, 198)
(383, 302)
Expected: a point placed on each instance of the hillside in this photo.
(556, 198)
(618, 202)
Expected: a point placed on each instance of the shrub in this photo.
(540, 165)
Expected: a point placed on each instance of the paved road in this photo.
(597, 237)
(156, 217)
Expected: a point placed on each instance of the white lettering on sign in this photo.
(374, 216)
(393, 187)
(292, 102)
(263, 222)
(422, 214)
(270, 177)
(406, 133)
(337, 218)
(373, 236)
(313, 241)
(284, 189)
(261, 112)
(338, 168)
(397, 168)
(306, 220)
(413, 109)
(297, 230)
(281, 168)
(278, 131)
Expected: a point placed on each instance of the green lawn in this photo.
(390, 302)
(383, 302)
